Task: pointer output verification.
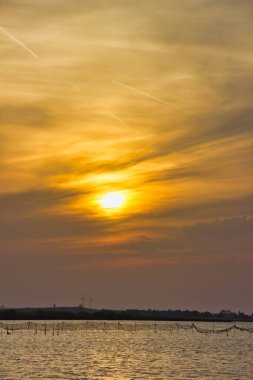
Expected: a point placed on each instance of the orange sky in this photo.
(149, 99)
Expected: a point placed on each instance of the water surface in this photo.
(144, 354)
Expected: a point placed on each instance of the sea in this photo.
(156, 352)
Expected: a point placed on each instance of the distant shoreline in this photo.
(81, 313)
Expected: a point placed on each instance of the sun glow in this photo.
(113, 200)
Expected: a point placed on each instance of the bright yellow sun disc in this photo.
(112, 200)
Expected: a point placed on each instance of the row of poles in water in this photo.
(105, 326)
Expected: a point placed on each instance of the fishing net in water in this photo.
(57, 327)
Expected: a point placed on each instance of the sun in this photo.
(113, 200)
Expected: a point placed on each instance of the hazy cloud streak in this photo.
(147, 95)
(18, 42)
(117, 118)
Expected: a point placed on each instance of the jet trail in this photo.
(18, 42)
(118, 119)
(146, 94)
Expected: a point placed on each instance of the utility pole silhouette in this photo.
(83, 299)
(90, 302)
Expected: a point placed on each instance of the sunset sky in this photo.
(148, 100)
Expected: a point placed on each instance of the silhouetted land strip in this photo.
(80, 313)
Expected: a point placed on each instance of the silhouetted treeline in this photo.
(80, 313)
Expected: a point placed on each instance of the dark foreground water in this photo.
(144, 354)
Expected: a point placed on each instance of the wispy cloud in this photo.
(118, 119)
(147, 95)
(18, 42)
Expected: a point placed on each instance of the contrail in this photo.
(118, 119)
(146, 94)
(18, 42)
